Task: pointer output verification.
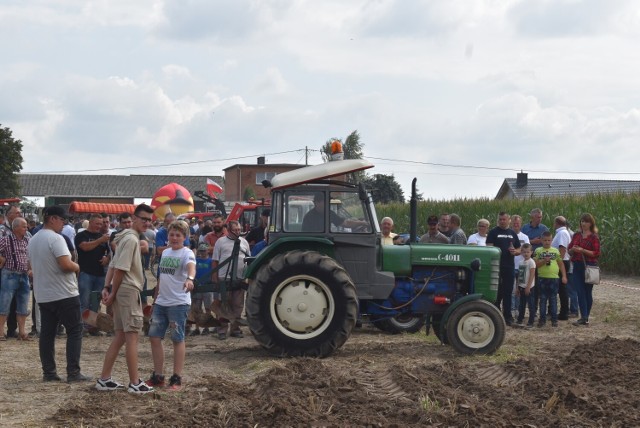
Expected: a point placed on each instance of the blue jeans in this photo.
(87, 284)
(548, 293)
(585, 291)
(14, 284)
(505, 291)
(67, 313)
(527, 302)
(573, 295)
(173, 318)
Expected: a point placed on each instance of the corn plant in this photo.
(617, 216)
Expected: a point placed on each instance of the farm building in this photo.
(523, 187)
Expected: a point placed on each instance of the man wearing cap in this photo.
(56, 291)
(433, 235)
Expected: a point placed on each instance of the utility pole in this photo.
(306, 155)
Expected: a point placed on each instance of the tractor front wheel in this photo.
(476, 327)
(302, 303)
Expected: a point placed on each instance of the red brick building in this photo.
(239, 178)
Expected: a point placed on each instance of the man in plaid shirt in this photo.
(15, 275)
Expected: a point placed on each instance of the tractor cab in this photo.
(320, 213)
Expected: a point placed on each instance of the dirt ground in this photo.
(565, 376)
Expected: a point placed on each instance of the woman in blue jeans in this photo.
(585, 250)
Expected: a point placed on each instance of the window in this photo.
(261, 176)
(297, 205)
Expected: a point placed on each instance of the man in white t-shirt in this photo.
(516, 225)
(561, 242)
(221, 252)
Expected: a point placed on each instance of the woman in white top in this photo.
(480, 238)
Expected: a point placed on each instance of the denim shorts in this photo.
(173, 318)
(14, 284)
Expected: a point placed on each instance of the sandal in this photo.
(24, 338)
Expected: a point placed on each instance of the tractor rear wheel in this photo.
(476, 327)
(403, 323)
(302, 303)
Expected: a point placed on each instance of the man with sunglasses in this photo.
(56, 290)
(433, 235)
(123, 292)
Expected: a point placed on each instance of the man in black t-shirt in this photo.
(505, 238)
(93, 257)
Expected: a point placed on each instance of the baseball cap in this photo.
(56, 210)
(203, 247)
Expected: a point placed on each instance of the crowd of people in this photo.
(538, 266)
(68, 266)
(73, 268)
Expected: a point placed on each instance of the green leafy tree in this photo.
(384, 188)
(10, 164)
(248, 193)
(352, 149)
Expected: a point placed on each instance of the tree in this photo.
(10, 164)
(248, 193)
(352, 149)
(384, 188)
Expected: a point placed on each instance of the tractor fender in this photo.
(320, 245)
(455, 305)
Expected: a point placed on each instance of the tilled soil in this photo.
(565, 376)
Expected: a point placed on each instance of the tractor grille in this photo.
(495, 274)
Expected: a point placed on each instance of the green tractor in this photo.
(325, 268)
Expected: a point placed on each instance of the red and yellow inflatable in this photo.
(171, 198)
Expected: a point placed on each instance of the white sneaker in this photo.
(140, 388)
(108, 385)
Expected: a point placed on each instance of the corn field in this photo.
(617, 217)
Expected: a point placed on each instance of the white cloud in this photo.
(458, 82)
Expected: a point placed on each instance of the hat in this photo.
(56, 210)
(432, 219)
(203, 247)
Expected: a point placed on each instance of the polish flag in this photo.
(213, 188)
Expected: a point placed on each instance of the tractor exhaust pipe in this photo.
(413, 219)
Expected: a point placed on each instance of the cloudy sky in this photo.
(458, 93)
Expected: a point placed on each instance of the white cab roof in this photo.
(319, 172)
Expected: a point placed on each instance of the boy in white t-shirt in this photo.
(526, 281)
(172, 301)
